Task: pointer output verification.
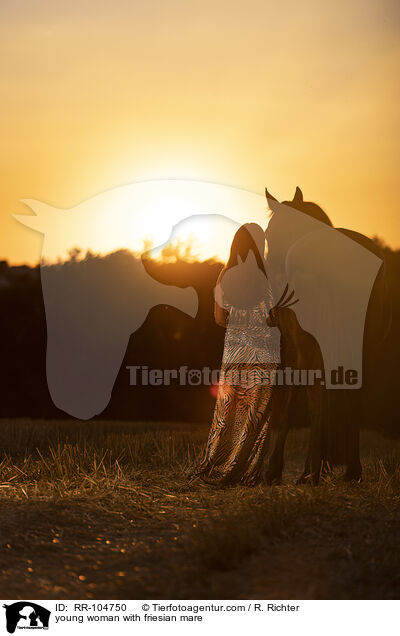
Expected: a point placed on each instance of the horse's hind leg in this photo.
(315, 401)
(350, 407)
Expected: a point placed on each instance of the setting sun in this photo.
(200, 217)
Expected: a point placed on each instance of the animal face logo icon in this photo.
(92, 309)
(26, 615)
(244, 285)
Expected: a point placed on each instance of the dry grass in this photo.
(103, 510)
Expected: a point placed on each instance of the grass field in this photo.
(103, 510)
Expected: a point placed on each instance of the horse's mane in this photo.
(308, 207)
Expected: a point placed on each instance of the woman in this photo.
(238, 439)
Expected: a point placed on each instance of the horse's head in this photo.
(332, 273)
(290, 221)
(308, 207)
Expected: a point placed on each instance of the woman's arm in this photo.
(220, 314)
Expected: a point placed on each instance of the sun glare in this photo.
(195, 219)
(159, 216)
(199, 217)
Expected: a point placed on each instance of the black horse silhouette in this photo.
(335, 414)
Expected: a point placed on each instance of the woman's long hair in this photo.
(249, 236)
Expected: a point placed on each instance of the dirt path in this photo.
(101, 531)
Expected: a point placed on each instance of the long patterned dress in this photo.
(239, 435)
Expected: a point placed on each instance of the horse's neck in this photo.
(289, 348)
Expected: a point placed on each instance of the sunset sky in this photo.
(97, 94)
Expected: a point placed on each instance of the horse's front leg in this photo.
(314, 461)
(279, 430)
(306, 474)
(317, 441)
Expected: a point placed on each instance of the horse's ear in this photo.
(298, 196)
(251, 256)
(268, 195)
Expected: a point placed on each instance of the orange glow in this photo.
(251, 94)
